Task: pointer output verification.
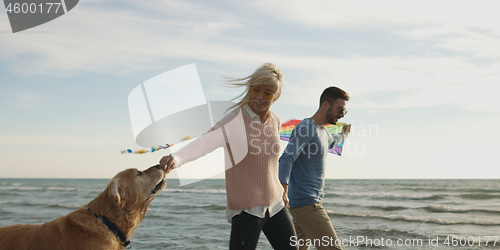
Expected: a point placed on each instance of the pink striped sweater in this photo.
(253, 180)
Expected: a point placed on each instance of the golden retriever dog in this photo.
(107, 222)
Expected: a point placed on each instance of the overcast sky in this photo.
(423, 76)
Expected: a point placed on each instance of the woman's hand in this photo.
(168, 163)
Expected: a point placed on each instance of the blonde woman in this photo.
(254, 192)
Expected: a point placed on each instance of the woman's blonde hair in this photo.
(265, 74)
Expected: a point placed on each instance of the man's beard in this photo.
(330, 118)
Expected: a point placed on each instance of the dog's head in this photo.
(128, 195)
(133, 188)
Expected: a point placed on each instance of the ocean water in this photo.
(378, 214)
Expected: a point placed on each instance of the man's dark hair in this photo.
(330, 94)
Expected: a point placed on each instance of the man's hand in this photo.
(168, 163)
(346, 130)
(285, 194)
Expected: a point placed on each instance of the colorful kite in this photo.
(143, 151)
(285, 132)
(153, 149)
(287, 128)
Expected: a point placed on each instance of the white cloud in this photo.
(26, 100)
(475, 43)
(58, 140)
(393, 82)
(458, 26)
(96, 40)
(367, 13)
(210, 29)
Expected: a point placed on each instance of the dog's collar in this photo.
(113, 228)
